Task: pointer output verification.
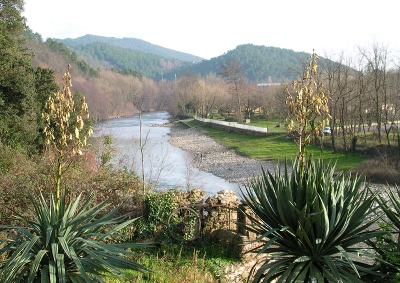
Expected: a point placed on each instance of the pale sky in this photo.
(210, 28)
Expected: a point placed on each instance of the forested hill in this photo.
(259, 63)
(109, 56)
(130, 43)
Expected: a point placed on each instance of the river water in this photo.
(165, 166)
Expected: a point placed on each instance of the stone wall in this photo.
(236, 127)
(223, 218)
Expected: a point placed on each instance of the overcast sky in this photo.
(209, 28)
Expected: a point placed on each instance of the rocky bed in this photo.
(212, 157)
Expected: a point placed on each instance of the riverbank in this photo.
(210, 156)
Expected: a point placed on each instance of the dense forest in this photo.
(260, 64)
(150, 65)
(131, 44)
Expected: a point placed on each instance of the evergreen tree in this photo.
(23, 88)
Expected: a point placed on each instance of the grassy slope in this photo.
(276, 147)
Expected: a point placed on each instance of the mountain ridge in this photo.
(130, 43)
(259, 63)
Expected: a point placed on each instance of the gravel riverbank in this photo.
(210, 156)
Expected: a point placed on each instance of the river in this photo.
(165, 166)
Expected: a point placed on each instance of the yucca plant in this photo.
(67, 242)
(388, 248)
(310, 226)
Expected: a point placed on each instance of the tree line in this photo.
(23, 88)
(364, 89)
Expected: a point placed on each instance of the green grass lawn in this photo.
(276, 147)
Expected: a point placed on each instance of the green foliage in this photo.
(148, 64)
(66, 242)
(158, 206)
(128, 72)
(62, 49)
(106, 154)
(259, 63)
(84, 67)
(387, 249)
(310, 227)
(30, 35)
(388, 245)
(131, 44)
(275, 147)
(202, 262)
(23, 88)
(17, 92)
(72, 57)
(184, 224)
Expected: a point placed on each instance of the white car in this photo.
(326, 131)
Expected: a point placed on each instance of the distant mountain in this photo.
(130, 43)
(259, 63)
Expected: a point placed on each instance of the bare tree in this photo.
(376, 69)
(231, 71)
(187, 91)
(337, 75)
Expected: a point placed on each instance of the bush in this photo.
(21, 176)
(157, 208)
(66, 242)
(310, 228)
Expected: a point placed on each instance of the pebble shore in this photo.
(210, 156)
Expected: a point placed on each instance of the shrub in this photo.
(66, 242)
(308, 227)
(157, 208)
(22, 176)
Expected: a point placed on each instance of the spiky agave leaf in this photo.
(66, 243)
(389, 249)
(309, 228)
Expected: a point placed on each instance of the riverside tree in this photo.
(231, 71)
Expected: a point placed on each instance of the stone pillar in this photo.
(220, 217)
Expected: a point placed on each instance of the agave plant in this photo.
(389, 246)
(310, 228)
(68, 242)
